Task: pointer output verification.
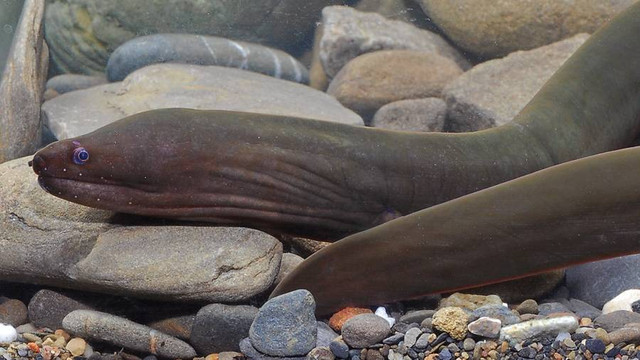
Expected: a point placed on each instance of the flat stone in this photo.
(630, 333)
(251, 353)
(427, 115)
(226, 264)
(493, 92)
(372, 80)
(364, 330)
(188, 86)
(82, 33)
(285, 325)
(494, 28)
(616, 319)
(347, 33)
(416, 316)
(552, 307)
(203, 50)
(13, 312)
(598, 282)
(220, 327)
(22, 85)
(119, 331)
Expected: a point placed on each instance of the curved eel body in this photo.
(579, 211)
(324, 180)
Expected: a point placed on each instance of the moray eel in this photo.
(325, 180)
(582, 210)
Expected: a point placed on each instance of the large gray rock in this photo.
(82, 33)
(50, 241)
(598, 282)
(22, 85)
(181, 262)
(347, 33)
(188, 86)
(119, 331)
(494, 28)
(493, 92)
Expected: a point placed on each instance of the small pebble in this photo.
(76, 346)
(339, 348)
(365, 330)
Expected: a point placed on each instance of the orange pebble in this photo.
(338, 319)
(34, 347)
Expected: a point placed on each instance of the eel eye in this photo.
(80, 155)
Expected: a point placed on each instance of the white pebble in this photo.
(382, 312)
(7, 333)
(622, 302)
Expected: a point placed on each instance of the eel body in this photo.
(324, 180)
(579, 211)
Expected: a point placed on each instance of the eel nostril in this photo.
(38, 164)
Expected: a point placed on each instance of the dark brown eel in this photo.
(325, 180)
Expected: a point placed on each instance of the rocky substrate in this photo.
(64, 325)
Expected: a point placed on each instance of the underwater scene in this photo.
(319, 179)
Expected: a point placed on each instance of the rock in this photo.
(251, 353)
(70, 82)
(469, 301)
(528, 306)
(82, 33)
(616, 320)
(622, 301)
(339, 348)
(493, 92)
(552, 307)
(203, 50)
(119, 331)
(337, 320)
(220, 327)
(76, 346)
(592, 282)
(22, 85)
(215, 263)
(188, 86)
(403, 10)
(325, 335)
(426, 115)
(485, 327)
(630, 333)
(499, 312)
(288, 264)
(347, 33)
(416, 316)
(468, 344)
(492, 29)
(364, 330)
(231, 355)
(47, 308)
(320, 353)
(550, 327)
(452, 320)
(411, 336)
(285, 325)
(7, 334)
(13, 312)
(596, 346)
(375, 79)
